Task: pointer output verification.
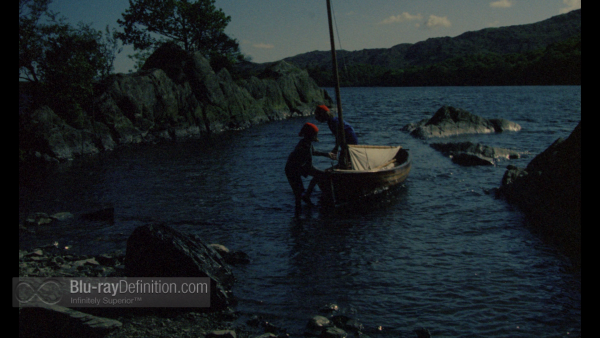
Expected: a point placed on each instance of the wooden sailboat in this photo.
(363, 169)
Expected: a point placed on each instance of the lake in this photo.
(439, 252)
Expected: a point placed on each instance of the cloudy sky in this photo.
(270, 30)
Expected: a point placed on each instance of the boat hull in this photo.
(345, 186)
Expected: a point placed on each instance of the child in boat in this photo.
(323, 114)
(299, 162)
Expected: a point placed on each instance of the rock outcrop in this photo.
(549, 191)
(157, 250)
(45, 135)
(175, 95)
(450, 121)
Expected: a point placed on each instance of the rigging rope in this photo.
(340, 42)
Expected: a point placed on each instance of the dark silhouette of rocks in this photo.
(548, 190)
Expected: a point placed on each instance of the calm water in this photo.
(438, 252)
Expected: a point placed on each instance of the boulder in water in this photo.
(450, 121)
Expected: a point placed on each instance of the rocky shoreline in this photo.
(51, 261)
(176, 95)
(58, 321)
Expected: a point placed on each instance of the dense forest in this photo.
(543, 53)
(557, 64)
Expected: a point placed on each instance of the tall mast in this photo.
(341, 133)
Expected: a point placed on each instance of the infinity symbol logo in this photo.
(49, 292)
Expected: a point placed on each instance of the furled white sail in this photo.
(372, 158)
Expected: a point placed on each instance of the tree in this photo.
(74, 59)
(196, 26)
(42, 34)
(31, 36)
(61, 61)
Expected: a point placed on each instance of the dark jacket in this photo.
(348, 130)
(300, 160)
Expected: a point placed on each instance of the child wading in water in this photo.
(299, 162)
(323, 114)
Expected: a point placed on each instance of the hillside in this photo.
(513, 51)
(502, 40)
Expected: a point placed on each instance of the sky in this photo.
(270, 30)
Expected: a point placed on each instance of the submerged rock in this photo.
(38, 218)
(470, 154)
(450, 121)
(422, 333)
(453, 148)
(334, 332)
(316, 325)
(468, 159)
(347, 324)
(62, 216)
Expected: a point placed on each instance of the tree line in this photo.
(557, 64)
(59, 63)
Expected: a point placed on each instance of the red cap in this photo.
(309, 129)
(322, 107)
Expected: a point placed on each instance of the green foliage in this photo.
(557, 64)
(62, 61)
(194, 25)
(30, 36)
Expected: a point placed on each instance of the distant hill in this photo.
(502, 40)
(513, 51)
